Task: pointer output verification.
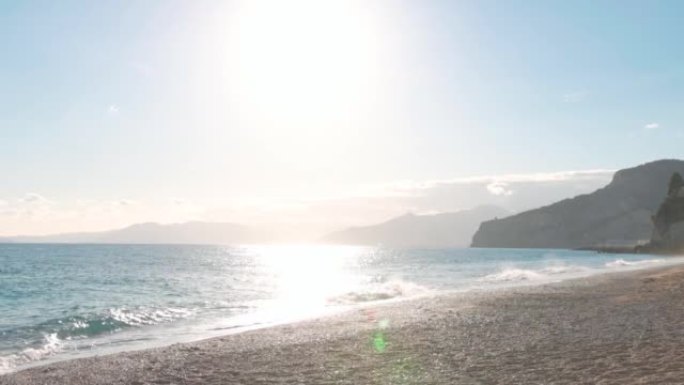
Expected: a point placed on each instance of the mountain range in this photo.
(439, 230)
(155, 233)
(619, 214)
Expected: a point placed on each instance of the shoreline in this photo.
(519, 280)
(517, 334)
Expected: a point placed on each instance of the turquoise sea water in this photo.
(66, 301)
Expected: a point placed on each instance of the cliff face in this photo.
(618, 214)
(668, 222)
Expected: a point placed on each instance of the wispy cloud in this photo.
(652, 126)
(113, 109)
(541, 177)
(33, 198)
(574, 97)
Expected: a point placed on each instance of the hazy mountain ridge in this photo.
(621, 212)
(438, 230)
(155, 233)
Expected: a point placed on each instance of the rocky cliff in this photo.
(616, 215)
(668, 222)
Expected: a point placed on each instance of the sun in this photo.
(302, 58)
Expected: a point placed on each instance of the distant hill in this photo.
(439, 230)
(619, 213)
(154, 233)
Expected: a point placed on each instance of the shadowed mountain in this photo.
(618, 214)
(179, 233)
(439, 230)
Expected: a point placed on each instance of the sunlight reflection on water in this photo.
(307, 277)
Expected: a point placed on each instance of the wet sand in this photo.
(623, 328)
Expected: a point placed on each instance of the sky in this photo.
(322, 114)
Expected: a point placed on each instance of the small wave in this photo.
(51, 345)
(514, 274)
(56, 332)
(621, 262)
(147, 316)
(85, 326)
(564, 269)
(510, 274)
(380, 291)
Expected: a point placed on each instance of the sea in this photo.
(62, 301)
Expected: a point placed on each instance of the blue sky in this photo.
(178, 110)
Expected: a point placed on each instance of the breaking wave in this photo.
(112, 320)
(57, 332)
(622, 263)
(511, 274)
(51, 344)
(394, 288)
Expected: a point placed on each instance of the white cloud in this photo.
(113, 109)
(652, 126)
(33, 198)
(499, 188)
(3, 203)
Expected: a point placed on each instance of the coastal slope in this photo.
(616, 215)
(438, 230)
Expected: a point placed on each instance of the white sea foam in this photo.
(394, 288)
(6, 364)
(514, 274)
(622, 263)
(139, 317)
(565, 269)
(52, 344)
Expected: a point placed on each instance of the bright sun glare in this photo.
(309, 276)
(304, 57)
